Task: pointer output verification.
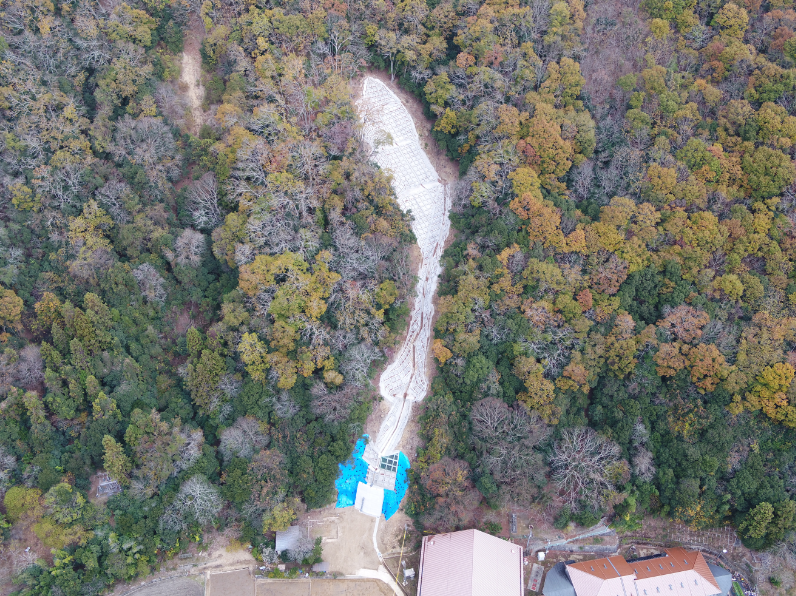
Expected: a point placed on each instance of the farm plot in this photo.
(180, 586)
(231, 583)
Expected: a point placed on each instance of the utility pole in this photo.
(401, 558)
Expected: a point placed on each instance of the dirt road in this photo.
(191, 74)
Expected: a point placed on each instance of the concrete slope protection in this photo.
(390, 132)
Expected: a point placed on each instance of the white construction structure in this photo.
(107, 486)
(369, 499)
(390, 132)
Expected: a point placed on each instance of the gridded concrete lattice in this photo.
(390, 132)
(389, 463)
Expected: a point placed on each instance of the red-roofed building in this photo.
(470, 563)
(675, 572)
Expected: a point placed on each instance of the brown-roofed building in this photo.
(470, 563)
(602, 577)
(675, 572)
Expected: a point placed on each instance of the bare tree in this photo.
(302, 550)
(643, 464)
(171, 104)
(197, 500)
(269, 556)
(150, 283)
(190, 449)
(30, 367)
(190, 247)
(640, 434)
(332, 406)
(505, 439)
(284, 406)
(273, 233)
(583, 463)
(203, 202)
(356, 363)
(244, 253)
(243, 439)
(230, 385)
(110, 196)
(582, 179)
(8, 464)
(643, 461)
(147, 142)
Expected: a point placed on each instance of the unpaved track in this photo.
(191, 75)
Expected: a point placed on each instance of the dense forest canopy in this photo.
(195, 299)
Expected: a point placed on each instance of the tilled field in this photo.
(182, 586)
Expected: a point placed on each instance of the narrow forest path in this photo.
(191, 74)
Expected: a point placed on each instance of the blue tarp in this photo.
(355, 470)
(392, 498)
(352, 472)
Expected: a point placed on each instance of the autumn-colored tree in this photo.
(10, 310)
(708, 366)
(543, 220)
(669, 359)
(685, 323)
(769, 391)
(546, 152)
(441, 353)
(23, 504)
(540, 392)
(455, 497)
(305, 290)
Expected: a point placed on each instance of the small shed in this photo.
(288, 539)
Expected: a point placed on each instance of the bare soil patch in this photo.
(347, 538)
(178, 321)
(226, 583)
(410, 441)
(391, 534)
(21, 551)
(191, 74)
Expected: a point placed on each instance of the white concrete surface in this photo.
(369, 499)
(390, 132)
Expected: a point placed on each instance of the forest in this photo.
(196, 301)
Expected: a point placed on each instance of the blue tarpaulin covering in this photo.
(392, 498)
(355, 470)
(352, 472)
